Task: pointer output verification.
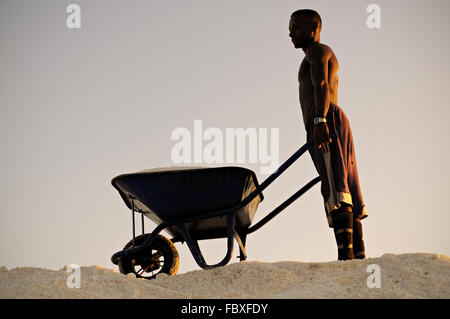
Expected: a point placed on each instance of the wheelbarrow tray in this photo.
(173, 194)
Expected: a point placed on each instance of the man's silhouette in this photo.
(328, 127)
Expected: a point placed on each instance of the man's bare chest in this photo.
(304, 73)
(306, 89)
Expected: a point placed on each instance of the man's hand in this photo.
(321, 137)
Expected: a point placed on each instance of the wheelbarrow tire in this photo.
(161, 244)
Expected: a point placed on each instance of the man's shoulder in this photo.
(318, 51)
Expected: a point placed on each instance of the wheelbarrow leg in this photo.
(132, 216)
(195, 249)
(241, 237)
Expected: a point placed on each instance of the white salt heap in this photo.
(420, 275)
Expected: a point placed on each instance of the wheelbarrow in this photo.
(193, 204)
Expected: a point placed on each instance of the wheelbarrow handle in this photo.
(283, 205)
(258, 190)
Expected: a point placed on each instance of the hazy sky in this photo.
(80, 106)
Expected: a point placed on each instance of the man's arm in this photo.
(318, 57)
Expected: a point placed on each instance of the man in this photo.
(328, 128)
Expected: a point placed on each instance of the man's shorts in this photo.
(341, 174)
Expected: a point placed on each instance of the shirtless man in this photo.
(328, 128)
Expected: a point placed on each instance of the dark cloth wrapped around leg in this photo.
(358, 240)
(343, 231)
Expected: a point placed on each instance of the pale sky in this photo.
(81, 106)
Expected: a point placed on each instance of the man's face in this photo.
(300, 31)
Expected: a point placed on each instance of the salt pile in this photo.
(418, 275)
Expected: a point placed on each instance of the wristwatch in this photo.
(318, 120)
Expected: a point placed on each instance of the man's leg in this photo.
(358, 240)
(358, 207)
(343, 231)
(340, 185)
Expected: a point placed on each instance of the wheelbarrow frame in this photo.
(239, 234)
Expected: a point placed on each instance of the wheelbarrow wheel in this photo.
(160, 257)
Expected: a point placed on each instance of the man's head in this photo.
(304, 27)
